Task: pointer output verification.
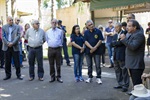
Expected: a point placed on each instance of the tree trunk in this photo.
(52, 9)
(39, 10)
(12, 7)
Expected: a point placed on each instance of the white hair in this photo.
(89, 21)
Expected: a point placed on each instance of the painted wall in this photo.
(3, 11)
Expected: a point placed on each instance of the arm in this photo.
(4, 37)
(135, 43)
(88, 45)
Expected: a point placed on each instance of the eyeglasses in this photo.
(18, 20)
(54, 22)
(109, 22)
(37, 23)
(90, 24)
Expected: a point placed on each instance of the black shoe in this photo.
(129, 93)
(111, 66)
(124, 89)
(59, 80)
(20, 78)
(68, 65)
(117, 87)
(52, 80)
(6, 78)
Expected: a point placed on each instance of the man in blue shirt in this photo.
(65, 49)
(93, 39)
(109, 31)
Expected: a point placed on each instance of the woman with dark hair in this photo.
(26, 27)
(77, 41)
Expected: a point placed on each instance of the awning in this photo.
(75, 1)
(21, 13)
(102, 4)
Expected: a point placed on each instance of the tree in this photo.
(12, 7)
(39, 10)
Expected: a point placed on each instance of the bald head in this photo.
(17, 20)
(9, 20)
(54, 23)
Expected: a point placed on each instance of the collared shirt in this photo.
(9, 35)
(35, 38)
(93, 38)
(54, 37)
(0, 33)
(109, 38)
(79, 40)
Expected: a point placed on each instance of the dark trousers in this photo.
(8, 55)
(36, 53)
(66, 56)
(121, 73)
(54, 56)
(102, 58)
(89, 59)
(136, 76)
(1, 56)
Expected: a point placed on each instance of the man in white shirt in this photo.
(54, 38)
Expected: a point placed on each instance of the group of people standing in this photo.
(125, 43)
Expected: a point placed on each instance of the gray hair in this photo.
(132, 15)
(34, 22)
(89, 21)
(118, 24)
(100, 26)
(54, 19)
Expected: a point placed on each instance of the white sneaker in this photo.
(99, 81)
(89, 80)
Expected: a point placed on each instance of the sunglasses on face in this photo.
(18, 20)
(90, 24)
(37, 23)
(109, 22)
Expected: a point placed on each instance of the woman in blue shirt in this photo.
(77, 41)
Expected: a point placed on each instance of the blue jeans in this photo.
(89, 60)
(78, 60)
(110, 52)
(136, 98)
(66, 56)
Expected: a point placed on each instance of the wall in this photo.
(3, 11)
(71, 16)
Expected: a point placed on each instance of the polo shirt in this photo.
(78, 40)
(93, 38)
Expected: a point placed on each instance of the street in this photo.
(15, 89)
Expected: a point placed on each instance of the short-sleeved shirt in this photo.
(93, 38)
(109, 38)
(78, 40)
(148, 30)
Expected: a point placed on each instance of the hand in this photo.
(122, 36)
(82, 50)
(10, 44)
(144, 76)
(93, 49)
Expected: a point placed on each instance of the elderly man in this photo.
(54, 38)
(10, 37)
(135, 46)
(1, 51)
(36, 38)
(119, 60)
(93, 39)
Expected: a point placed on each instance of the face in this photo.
(10, 21)
(110, 23)
(36, 25)
(90, 26)
(77, 30)
(117, 28)
(53, 23)
(130, 28)
(129, 17)
(27, 26)
(17, 20)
